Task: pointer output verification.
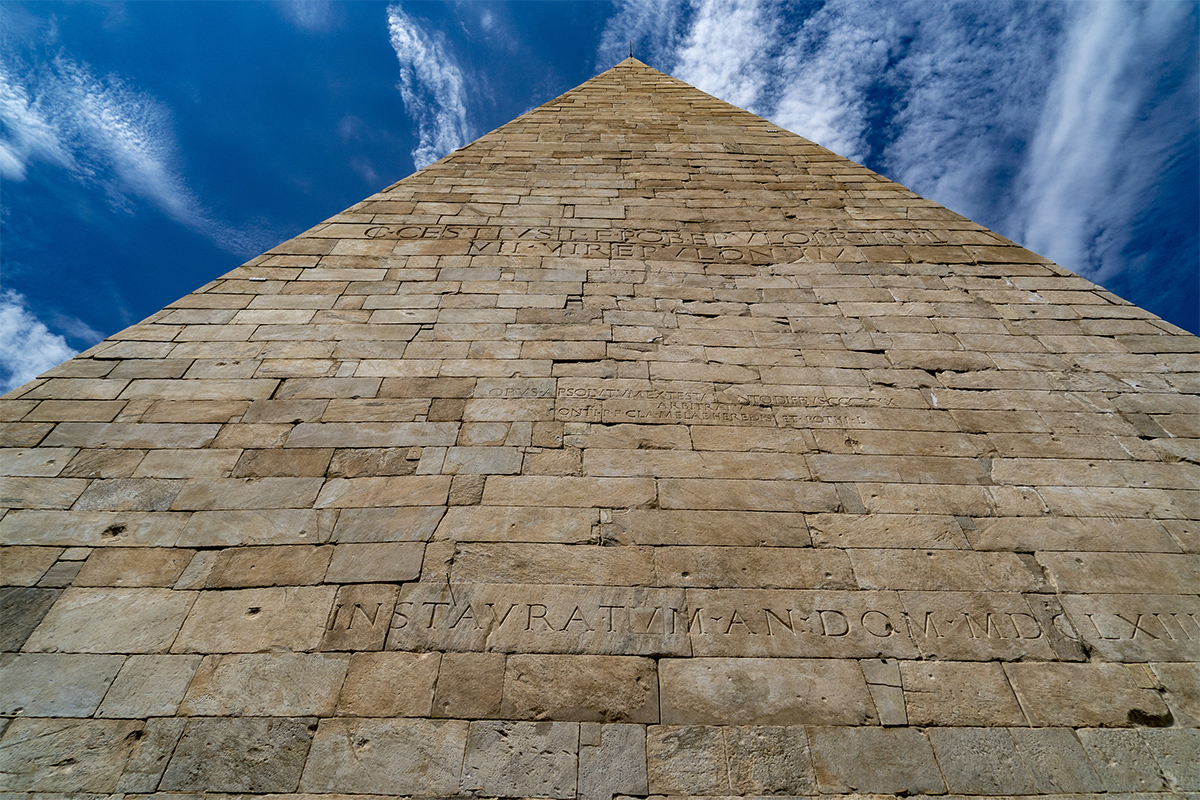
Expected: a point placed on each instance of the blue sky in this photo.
(147, 147)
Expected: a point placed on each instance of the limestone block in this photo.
(872, 531)
(45, 462)
(150, 755)
(876, 760)
(524, 759)
(289, 463)
(1138, 627)
(1084, 695)
(1059, 533)
(720, 528)
(265, 684)
(24, 566)
(943, 570)
(482, 461)
(1182, 682)
(688, 760)
(752, 567)
(1175, 751)
(112, 621)
(981, 761)
(373, 434)
(1122, 759)
(612, 760)
(1123, 573)
(746, 495)
(769, 760)
(517, 524)
(239, 755)
(570, 492)
(66, 755)
(958, 694)
(979, 626)
(250, 620)
(721, 691)
(413, 490)
(61, 574)
(187, 464)
(210, 494)
(253, 527)
(373, 563)
(581, 688)
(636, 437)
(133, 566)
(393, 524)
(552, 563)
(104, 464)
(54, 685)
(131, 434)
(470, 685)
(386, 756)
(360, 617)
(22, 492)
(149, 686)
(22, 610)
(389, 685)
(1056, 760)
(286, 565)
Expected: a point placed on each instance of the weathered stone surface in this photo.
(470, 686)
(888, 761)
(21, 611)
(240, 755)
(612, 761)
(252, 620)
(1122, 759)
(53, 684)
(981, 761)
(371, 563)
(266, 684)
(978, 626)
(1121, 573)
(389, 685)
(581, 688)
(360, 617)
(1138, 627)
(251, 527)
(133, 566)
(752, 567)
(958, 694)
(1175, 750)
(767, 760)
(386, 756)
(1055, 760)
(86, 529)
(721, 528)
(575, 564)
(404, 524)
(523, 759)
(1182, 682)
(758, 691)
(517, 524)
(25, 566)
(686, 760)
(66, 755)
(150, 755)
(112, 621)
(1084, 695)
(149, 686)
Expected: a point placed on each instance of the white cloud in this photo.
(27, 347)
(103, 133)
(727, 49)
(431, 85)
(1106, 132)
(307, 15)
(651, 27)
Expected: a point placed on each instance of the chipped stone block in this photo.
(389, 685)
(66, 755)
(612, 761)
(54, 684)
(686, 760)
(581, 688)
(767, 760)
(112, 621)
(149, 686)
(240, 755)
(386, 756)
(524, 759)
(266, 684)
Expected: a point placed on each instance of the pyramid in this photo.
(639, 447)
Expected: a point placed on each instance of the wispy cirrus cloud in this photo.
(27, 347)
(651, 28)
(432, 87)
(105, 134)
(727, 49)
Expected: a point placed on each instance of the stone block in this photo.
(254, 527)
(580, 688)
(1182, 684)
(239, 755)
(149, 686)
(66, 755)
(389, 685)
(279, 463)
(133, 566)
(112, 621)
(150, 755)
(753, 567)
(981, 761)
(930, 570)
(769, 760)
(386, 756)
(612, 761)
(54, 684)
(747, 495)
(373, 434)
(360, 617)
(266, 685)
(278, 565)
(522, 759)
(376, 562)
(396, 524)
(470, 685)
(1123, 573)
(1138, 627)
(214, 494)
(979, 626)
(45, 462)
(1056, 760)
(958, 694)
(553, 563)
(883, 531)
(21, 610)
(1175, 751)
(568, 492)
(1084, 695)
(1121, 759)
(190, 463)
(874, 760)
(719, 528)
(517, 524)
(25, 566)
(749, 691)
(686, 760)
(250, 620)
(409, 490)
(90, 528)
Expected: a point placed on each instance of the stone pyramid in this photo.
(637, 448)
